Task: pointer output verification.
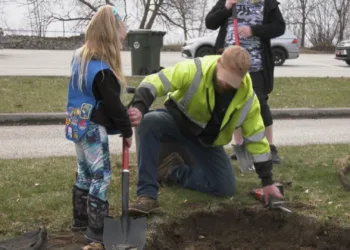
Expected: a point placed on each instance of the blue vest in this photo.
(81, 102)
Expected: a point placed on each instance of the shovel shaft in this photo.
(234, 12)
(125, 179)
(125, 156)
(126, 232)
(235, 24)
(125, 193)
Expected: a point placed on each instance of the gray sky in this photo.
(15, 17)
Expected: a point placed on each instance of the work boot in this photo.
(168, 164)
(274, 154)
(97, 210)
(144, 205)
(80, 217)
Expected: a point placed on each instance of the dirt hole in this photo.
(234, 229)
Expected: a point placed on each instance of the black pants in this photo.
(259, 88)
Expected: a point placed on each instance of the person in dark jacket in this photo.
(258, 22)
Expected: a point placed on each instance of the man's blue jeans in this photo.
(213, 172)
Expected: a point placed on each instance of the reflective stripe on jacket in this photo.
(189, 84)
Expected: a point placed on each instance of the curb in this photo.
(309, 113)
(278, 114)
(32, 118)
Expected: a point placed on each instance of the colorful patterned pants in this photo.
(93, 163)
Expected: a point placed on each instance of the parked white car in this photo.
(283, 47)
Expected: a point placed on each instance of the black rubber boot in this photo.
(97, 210)
(80, 217)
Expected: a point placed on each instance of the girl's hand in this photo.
(128, 142)
(245, 31)
(229, 3)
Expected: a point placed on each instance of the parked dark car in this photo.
(342, 51)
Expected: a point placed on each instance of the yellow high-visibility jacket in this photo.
(189, 85)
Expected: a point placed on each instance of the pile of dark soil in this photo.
(231, 229)
(251, 229)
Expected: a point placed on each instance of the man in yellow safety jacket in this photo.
(207, 99)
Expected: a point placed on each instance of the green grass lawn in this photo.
(48, 94)
(38, 191)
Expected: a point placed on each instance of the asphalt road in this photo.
(43, 141)
(56, 63)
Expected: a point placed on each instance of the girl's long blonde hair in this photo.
(102, 42)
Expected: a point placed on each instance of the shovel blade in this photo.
(245, 160)
(124, 234)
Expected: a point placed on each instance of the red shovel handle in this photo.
(235, 23)
(125, 179)
(125, 156)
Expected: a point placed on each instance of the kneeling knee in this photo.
(153, 122)
(148, 123)
(227, 191)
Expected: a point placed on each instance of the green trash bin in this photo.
(145, 48)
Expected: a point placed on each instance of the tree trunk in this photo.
(145, 13)
(303, 33)
(154, 14)
(343, 14)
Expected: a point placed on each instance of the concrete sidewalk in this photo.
(278, 114)
(49, 140)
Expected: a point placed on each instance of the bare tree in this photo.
(2, 14)
(146, 4)
(148, 10)
(38, 15)
(203, 10)
(296, 14)
(155, 13)
(84, 10)
(187, 15)
(182, 14)
(342, 8)
(323, 25)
